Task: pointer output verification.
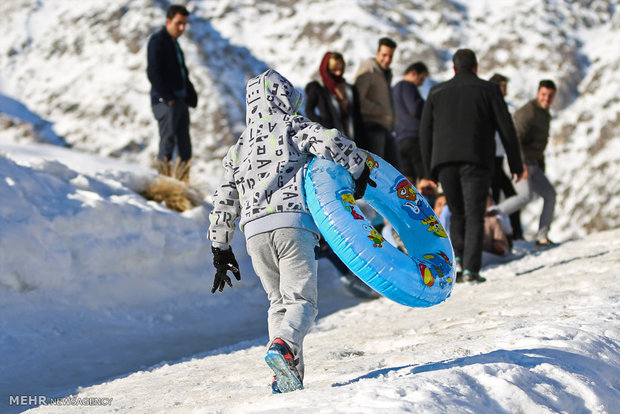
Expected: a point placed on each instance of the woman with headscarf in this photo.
(333, 102)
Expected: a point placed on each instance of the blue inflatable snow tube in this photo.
(422, 277)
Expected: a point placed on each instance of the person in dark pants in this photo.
(457, 130)
(334, 103)
(408, 105)
(171, 90)
(500, 182)
(373, 80)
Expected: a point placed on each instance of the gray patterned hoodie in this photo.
(264, 170)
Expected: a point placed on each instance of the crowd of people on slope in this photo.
(457, 143)
(452, 146)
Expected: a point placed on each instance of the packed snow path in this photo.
(541, 336)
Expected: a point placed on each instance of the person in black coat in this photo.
(171, 90)
(334, 103)
(331, 101)
(457, 131)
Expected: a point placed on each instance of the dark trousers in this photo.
(326, 251)
(466, 187)
(410, 158)
(500, 182)
(173, 130)
(380, 141)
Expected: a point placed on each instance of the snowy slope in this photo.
(542, 336)
(85, 262)
(80, 66)
(99, 286)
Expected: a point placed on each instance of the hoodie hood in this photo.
(270, 93)
(264, 169)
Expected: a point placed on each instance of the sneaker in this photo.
(458, 264)
(469, 276)
(274, 386)
(459, 269)
(281, 361)
(544, 243)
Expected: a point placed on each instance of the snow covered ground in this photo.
(105, 295)
(97, 282)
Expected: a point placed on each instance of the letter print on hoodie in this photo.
(264, 170)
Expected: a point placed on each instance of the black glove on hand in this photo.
(224, 260)
(362, 182)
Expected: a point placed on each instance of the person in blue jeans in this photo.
(263, 190)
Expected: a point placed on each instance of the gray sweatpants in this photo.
(285, 260)
(536, 183)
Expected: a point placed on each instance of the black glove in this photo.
(224, 260)
(362, 182)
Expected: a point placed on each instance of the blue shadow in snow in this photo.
(534, 382)
(44, 129)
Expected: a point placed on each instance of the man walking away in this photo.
(457, 131)
(171, 90)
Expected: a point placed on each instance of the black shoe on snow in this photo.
(472, 277)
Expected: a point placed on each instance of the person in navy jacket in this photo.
(408, 105)
(171, 90)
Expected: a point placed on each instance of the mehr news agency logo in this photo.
(35, 400)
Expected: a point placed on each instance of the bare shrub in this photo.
(172, 187)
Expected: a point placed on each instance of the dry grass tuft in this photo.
(172, 187)
(178, 169)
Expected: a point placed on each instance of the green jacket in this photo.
(532, 125)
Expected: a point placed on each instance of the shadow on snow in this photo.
(532, 380)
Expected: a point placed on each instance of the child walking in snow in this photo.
(263, 189)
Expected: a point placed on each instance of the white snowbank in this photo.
(96, 282)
